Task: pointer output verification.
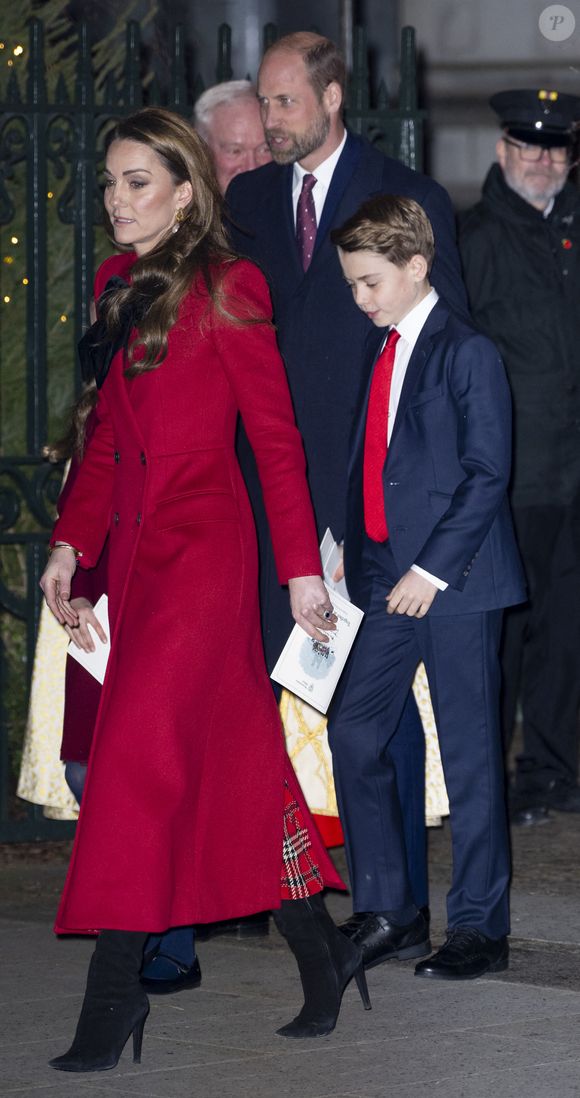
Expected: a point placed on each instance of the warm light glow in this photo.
(18, 50)
(1, 45)
(25, 282)
(9, 259)
(14, 240)
(6, 299)
(50, 194)
(10, 63)
(63, 318)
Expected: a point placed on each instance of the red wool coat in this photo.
(82, 692)
(181, 820)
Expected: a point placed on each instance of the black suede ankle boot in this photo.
(327, 961)
(114, 1007)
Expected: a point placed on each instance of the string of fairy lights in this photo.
(9, 260)
(17, 52)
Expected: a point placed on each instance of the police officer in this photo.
(520, 248)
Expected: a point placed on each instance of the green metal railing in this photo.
(61, 136)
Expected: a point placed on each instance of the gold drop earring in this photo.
(179, 217)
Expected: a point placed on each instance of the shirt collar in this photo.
(410, 326)
(549, 208)
(323, 172)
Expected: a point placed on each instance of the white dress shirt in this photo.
(323, 175)
(409, 330)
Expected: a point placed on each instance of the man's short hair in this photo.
(230, 91)
(390, 225)
(323, 59)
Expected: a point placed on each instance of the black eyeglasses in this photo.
(533, 153)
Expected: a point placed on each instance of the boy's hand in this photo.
(412, 595)
(339, 571)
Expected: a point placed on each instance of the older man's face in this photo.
(236, 139)
(536, 181)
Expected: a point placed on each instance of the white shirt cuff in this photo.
(433, 579)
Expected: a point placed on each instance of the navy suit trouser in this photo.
(460, 653)
(407, 751)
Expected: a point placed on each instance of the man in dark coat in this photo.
(281, 218)
(520, 248)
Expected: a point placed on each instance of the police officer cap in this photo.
(543, 117)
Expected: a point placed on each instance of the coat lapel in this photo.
(284, 215)
(435, 323)
(349, 187)
(374, 343)
(343, 174)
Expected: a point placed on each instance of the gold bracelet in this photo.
(65, 545)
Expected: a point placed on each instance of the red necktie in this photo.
(306, 221)
(376, 441)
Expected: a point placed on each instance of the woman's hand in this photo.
(80, 634)
(55, 583)
(311, 607)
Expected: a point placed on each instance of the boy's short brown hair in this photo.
(391, 225)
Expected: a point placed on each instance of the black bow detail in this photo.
(96, 348)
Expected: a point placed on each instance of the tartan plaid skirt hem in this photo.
(301, 875)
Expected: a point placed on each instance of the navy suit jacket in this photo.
(321, 333)
(446, 473)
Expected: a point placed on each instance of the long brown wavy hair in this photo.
(161, 278)
(72, 444)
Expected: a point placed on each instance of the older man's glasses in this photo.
(533, 153)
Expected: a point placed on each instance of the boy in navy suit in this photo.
(430, 556)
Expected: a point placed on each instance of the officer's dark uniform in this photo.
(522, 271)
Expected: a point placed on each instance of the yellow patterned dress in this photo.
(41, 778)
(307, 745)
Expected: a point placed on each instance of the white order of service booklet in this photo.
(307, 667)
(95, 662)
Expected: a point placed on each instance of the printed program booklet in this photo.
(307, 667)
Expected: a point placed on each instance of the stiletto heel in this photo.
(327, 961)
(138, 1038)
(114, 1007)
(361, 982)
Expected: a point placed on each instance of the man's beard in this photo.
(301, 145)
(535, 192)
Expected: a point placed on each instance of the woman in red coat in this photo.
(190, 799)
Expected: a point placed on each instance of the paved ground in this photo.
(516, 1035)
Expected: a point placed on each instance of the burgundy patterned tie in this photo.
(306, 221)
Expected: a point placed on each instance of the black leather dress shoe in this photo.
(563, 796)
(165, 984)
(357, 919)
(466, 954)
(250, 926)
(530, 815)
(381, 940)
